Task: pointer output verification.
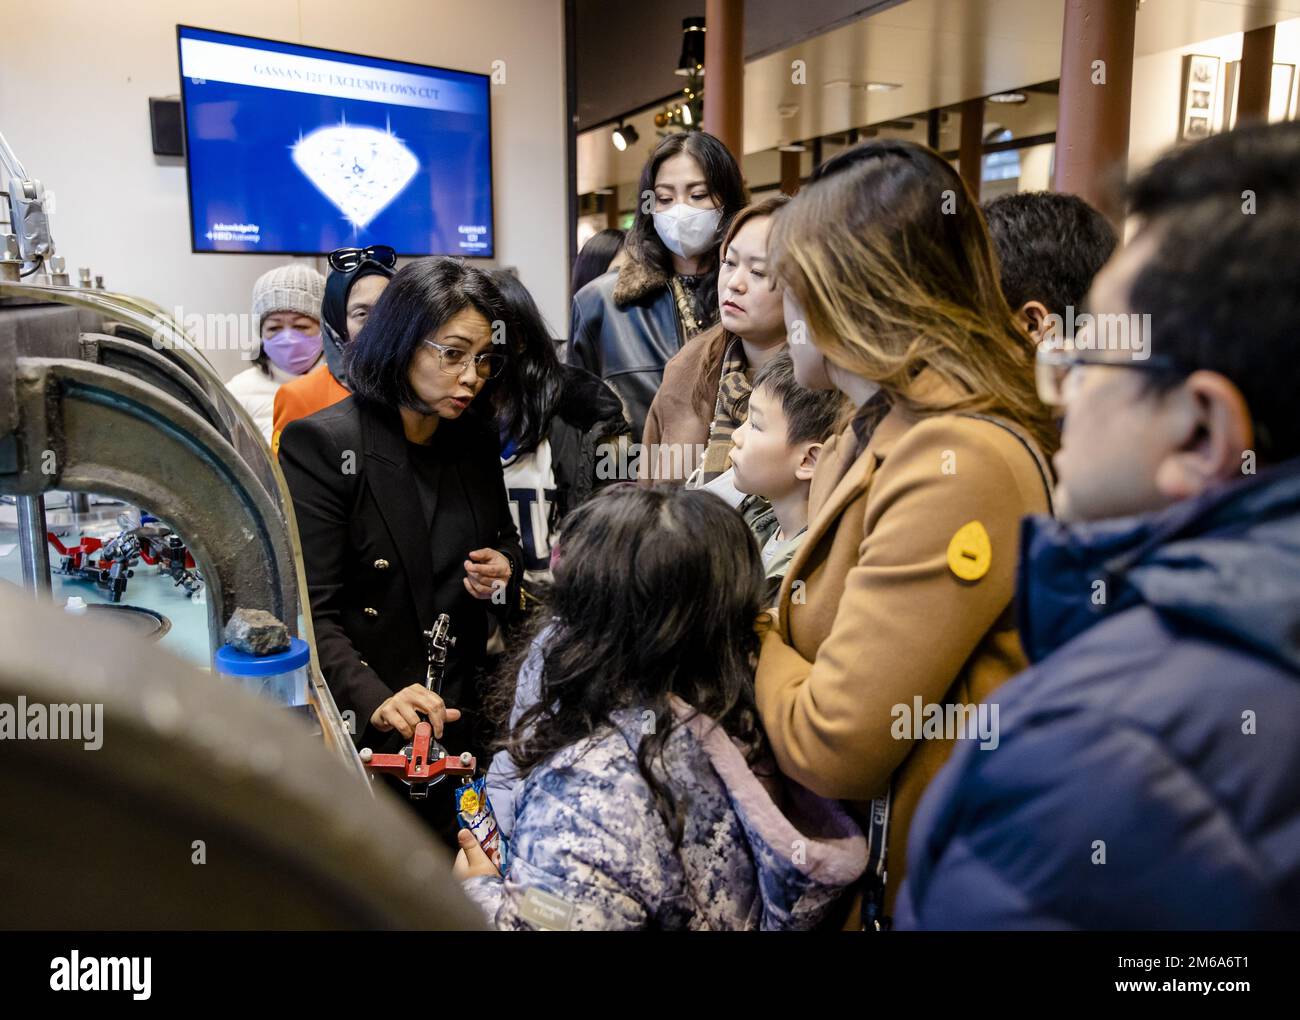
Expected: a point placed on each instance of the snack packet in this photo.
(474, 812)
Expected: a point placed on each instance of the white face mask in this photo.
(687, 231)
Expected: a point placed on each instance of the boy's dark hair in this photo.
(1049, 247)
(1223, 284)
(655, 595)
(811, 416)
(413, 307)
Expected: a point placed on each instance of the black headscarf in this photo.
(334, 313)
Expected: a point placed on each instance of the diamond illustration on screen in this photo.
(359, 169)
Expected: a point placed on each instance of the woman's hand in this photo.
(402, 712)
(485, 571)
(471, 861)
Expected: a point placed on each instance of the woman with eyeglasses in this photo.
(402, 512)
(357, 277)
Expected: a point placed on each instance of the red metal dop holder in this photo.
(421, 763)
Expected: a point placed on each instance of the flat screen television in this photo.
(294, 150)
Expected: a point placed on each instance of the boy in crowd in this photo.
(1146, 772)
(1049, 248)
(775, 450)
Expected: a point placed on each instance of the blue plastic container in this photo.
(281, 677)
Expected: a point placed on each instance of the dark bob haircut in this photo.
(414, 306)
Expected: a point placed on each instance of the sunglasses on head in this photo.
(344, 260)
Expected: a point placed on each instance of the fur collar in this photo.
(637, 281)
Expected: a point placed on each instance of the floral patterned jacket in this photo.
(589, 849)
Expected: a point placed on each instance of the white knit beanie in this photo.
(291, 288)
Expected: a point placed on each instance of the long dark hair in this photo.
(722, 177)
(530, 387)
(656, 594)
(595, 257)
(421, 298)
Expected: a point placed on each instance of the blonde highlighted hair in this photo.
(887, 253)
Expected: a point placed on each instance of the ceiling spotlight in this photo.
(862, 86)
(692, 58)
(624, 135)
(1008, 97)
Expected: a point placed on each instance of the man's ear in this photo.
(808, 462)
(1033, 316)
(1217, 430)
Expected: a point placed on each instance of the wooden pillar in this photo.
(970, 155)
(1255, 77)
(790, 172)
(610, 202)
(1095, 99)
(724, 72)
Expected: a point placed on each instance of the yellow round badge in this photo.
(970, 553)
(469, 802)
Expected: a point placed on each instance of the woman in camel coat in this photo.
(901, 595)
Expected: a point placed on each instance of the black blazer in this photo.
(366, 548)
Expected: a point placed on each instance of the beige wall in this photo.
(76, 75)
(1157, 88)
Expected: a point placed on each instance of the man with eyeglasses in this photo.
(357, 277)
(1147, 771)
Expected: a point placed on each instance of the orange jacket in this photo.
(304, 396)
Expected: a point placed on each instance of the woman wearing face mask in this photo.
(897, 606)
(358, 276)
(626, 325)
(402, 511)
(286, 309)
(706, 385)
